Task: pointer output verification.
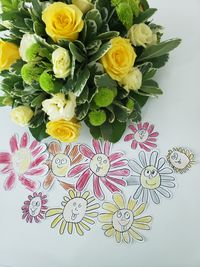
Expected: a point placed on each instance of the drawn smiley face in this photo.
(60, 165)
(179, 160)
(75, 210)
(123, 220)
(100, 165)
(150, 177)
(35, 206)
(141, 136)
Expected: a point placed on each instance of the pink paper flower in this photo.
(101, 167)
(143, 135)
(34, 208)
(23, 162)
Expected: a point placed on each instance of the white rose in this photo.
(141, 35)
(60, 108)
(83, 5)
(61, 63)
(27, 41)
(133, 80)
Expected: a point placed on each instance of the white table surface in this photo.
(174, 239)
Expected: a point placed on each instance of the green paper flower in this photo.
(104, 97)
(97, 117)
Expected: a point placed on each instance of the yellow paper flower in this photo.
(120, 58)
(9, 53)
(122, 221)
(21, 115)
(64, 131)
(63, 21)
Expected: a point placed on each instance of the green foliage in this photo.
(102, 103)
(159, 50)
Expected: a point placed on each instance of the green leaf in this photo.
(91, 31)
(160, 62)
(141, 100)
(102, 51)
(77, 52)
(108, 35)
(151, 88)
(39, 133)
(95, 132)
(104, 81)
(82, 111)
(125, 14)
(83, 77)
(37, 120)
(144, 16)
(113, 132)
(37, 101)
(160, 49)
(95, 15)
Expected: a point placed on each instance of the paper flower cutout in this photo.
(34, 208)
(152, 176)
(143, 135)
(101, 167)
(78, 211)
(122, 221)
(24, 162)
(180, 159)
(59, 164)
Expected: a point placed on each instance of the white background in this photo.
(174, 240)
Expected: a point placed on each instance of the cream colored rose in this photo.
(27, 41)
(60, 108)
(141, 35)
(133, 80)
(21, 115)
(83, 5)
(61, 63)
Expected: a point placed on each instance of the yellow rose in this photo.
(83, 5)
(63, 21)
(141, 35)
(132, 81)
(9, 53)
(119, 59)
(64, 131)
(21, 115)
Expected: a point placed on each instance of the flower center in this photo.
(21, 160)
(75, 210)
(150, 178)
(100, 165)
(141, 136)
(123, 220)
(60, 165)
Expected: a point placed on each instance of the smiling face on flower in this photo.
(122, 221)
(101, 167)
(180, 159)
(143, 135)
(60, 162)
(78, 211)
(34, 208)
(75, 209)
(152, 177)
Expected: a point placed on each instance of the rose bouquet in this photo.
(73, 61)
